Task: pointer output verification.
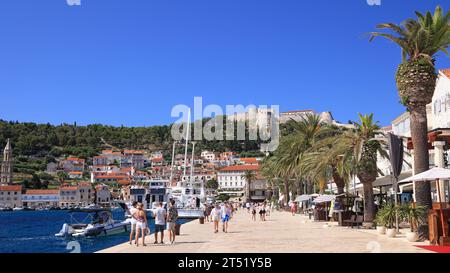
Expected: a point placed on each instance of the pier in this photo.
(281, 233)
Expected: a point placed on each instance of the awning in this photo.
(430, 175)
(388, 180)
(324, 198)
(303, 198)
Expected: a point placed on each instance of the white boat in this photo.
(102, 224)
(17, 209)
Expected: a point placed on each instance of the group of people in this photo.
(220, 213)
(140, 227)
(263, 209)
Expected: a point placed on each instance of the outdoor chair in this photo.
(349, 222)
(355, 220)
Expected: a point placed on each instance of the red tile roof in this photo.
(250, 160)
(75, 159)
(69, 188)
(446, 72)
(117, 176)
(124, 182)
(11, 188)
(240, 168)
(133, 152)
(34, 192)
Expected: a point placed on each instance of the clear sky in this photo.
(130, 61)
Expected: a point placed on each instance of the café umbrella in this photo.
(434, 174)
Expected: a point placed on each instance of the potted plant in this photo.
(380, 222)
(390, 214)
(415, 217)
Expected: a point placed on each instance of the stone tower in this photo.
(7, 165)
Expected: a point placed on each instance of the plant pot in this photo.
(412, 236)
(381, 230)
(391, 232)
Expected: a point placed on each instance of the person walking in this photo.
(131, 212)
(268, 209)
(160, 222)
(141, 224)
(253, 208)
(215, 216)
(264, 211)
(247, 205)
(294, 208)
(225, 214)
(172, 217)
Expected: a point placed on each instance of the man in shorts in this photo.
(160, 222)
(172, 217)
(225, 213)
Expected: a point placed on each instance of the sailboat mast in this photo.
(192, 162)
(171, 166)
(187, 140)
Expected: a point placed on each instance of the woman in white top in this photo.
(215, 215)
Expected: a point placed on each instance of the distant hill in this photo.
(48, 141)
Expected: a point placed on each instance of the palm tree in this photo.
(249, 177)
(285, 164)
(361, 148)
(325, 160)
(420, 41)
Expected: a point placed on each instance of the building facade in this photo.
(11, 196)
(41, 198)
(231, 180)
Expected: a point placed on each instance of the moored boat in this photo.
(101, 224)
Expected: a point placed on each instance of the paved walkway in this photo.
(280, 233)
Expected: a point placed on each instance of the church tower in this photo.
(7, 165)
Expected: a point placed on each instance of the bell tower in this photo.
(7, 165)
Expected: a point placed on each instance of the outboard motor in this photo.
(64, 231)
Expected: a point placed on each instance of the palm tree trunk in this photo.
(339, 181)
(300, 189)
(286, 192)
(310, 187)
(248, 191)
(369, 206)
(419, 134)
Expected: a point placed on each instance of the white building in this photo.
(438, 115)
(11, 196)
(440, 107)
(41, 198)
(102, 195)
(231, 181)
(208, 155)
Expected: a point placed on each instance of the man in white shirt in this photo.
(132, 211)
(160, 222)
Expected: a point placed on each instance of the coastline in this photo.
(281, 233)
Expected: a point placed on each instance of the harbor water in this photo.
(33, 232)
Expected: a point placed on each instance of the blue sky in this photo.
(130, 61)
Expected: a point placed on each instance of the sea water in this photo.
(34, 232)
